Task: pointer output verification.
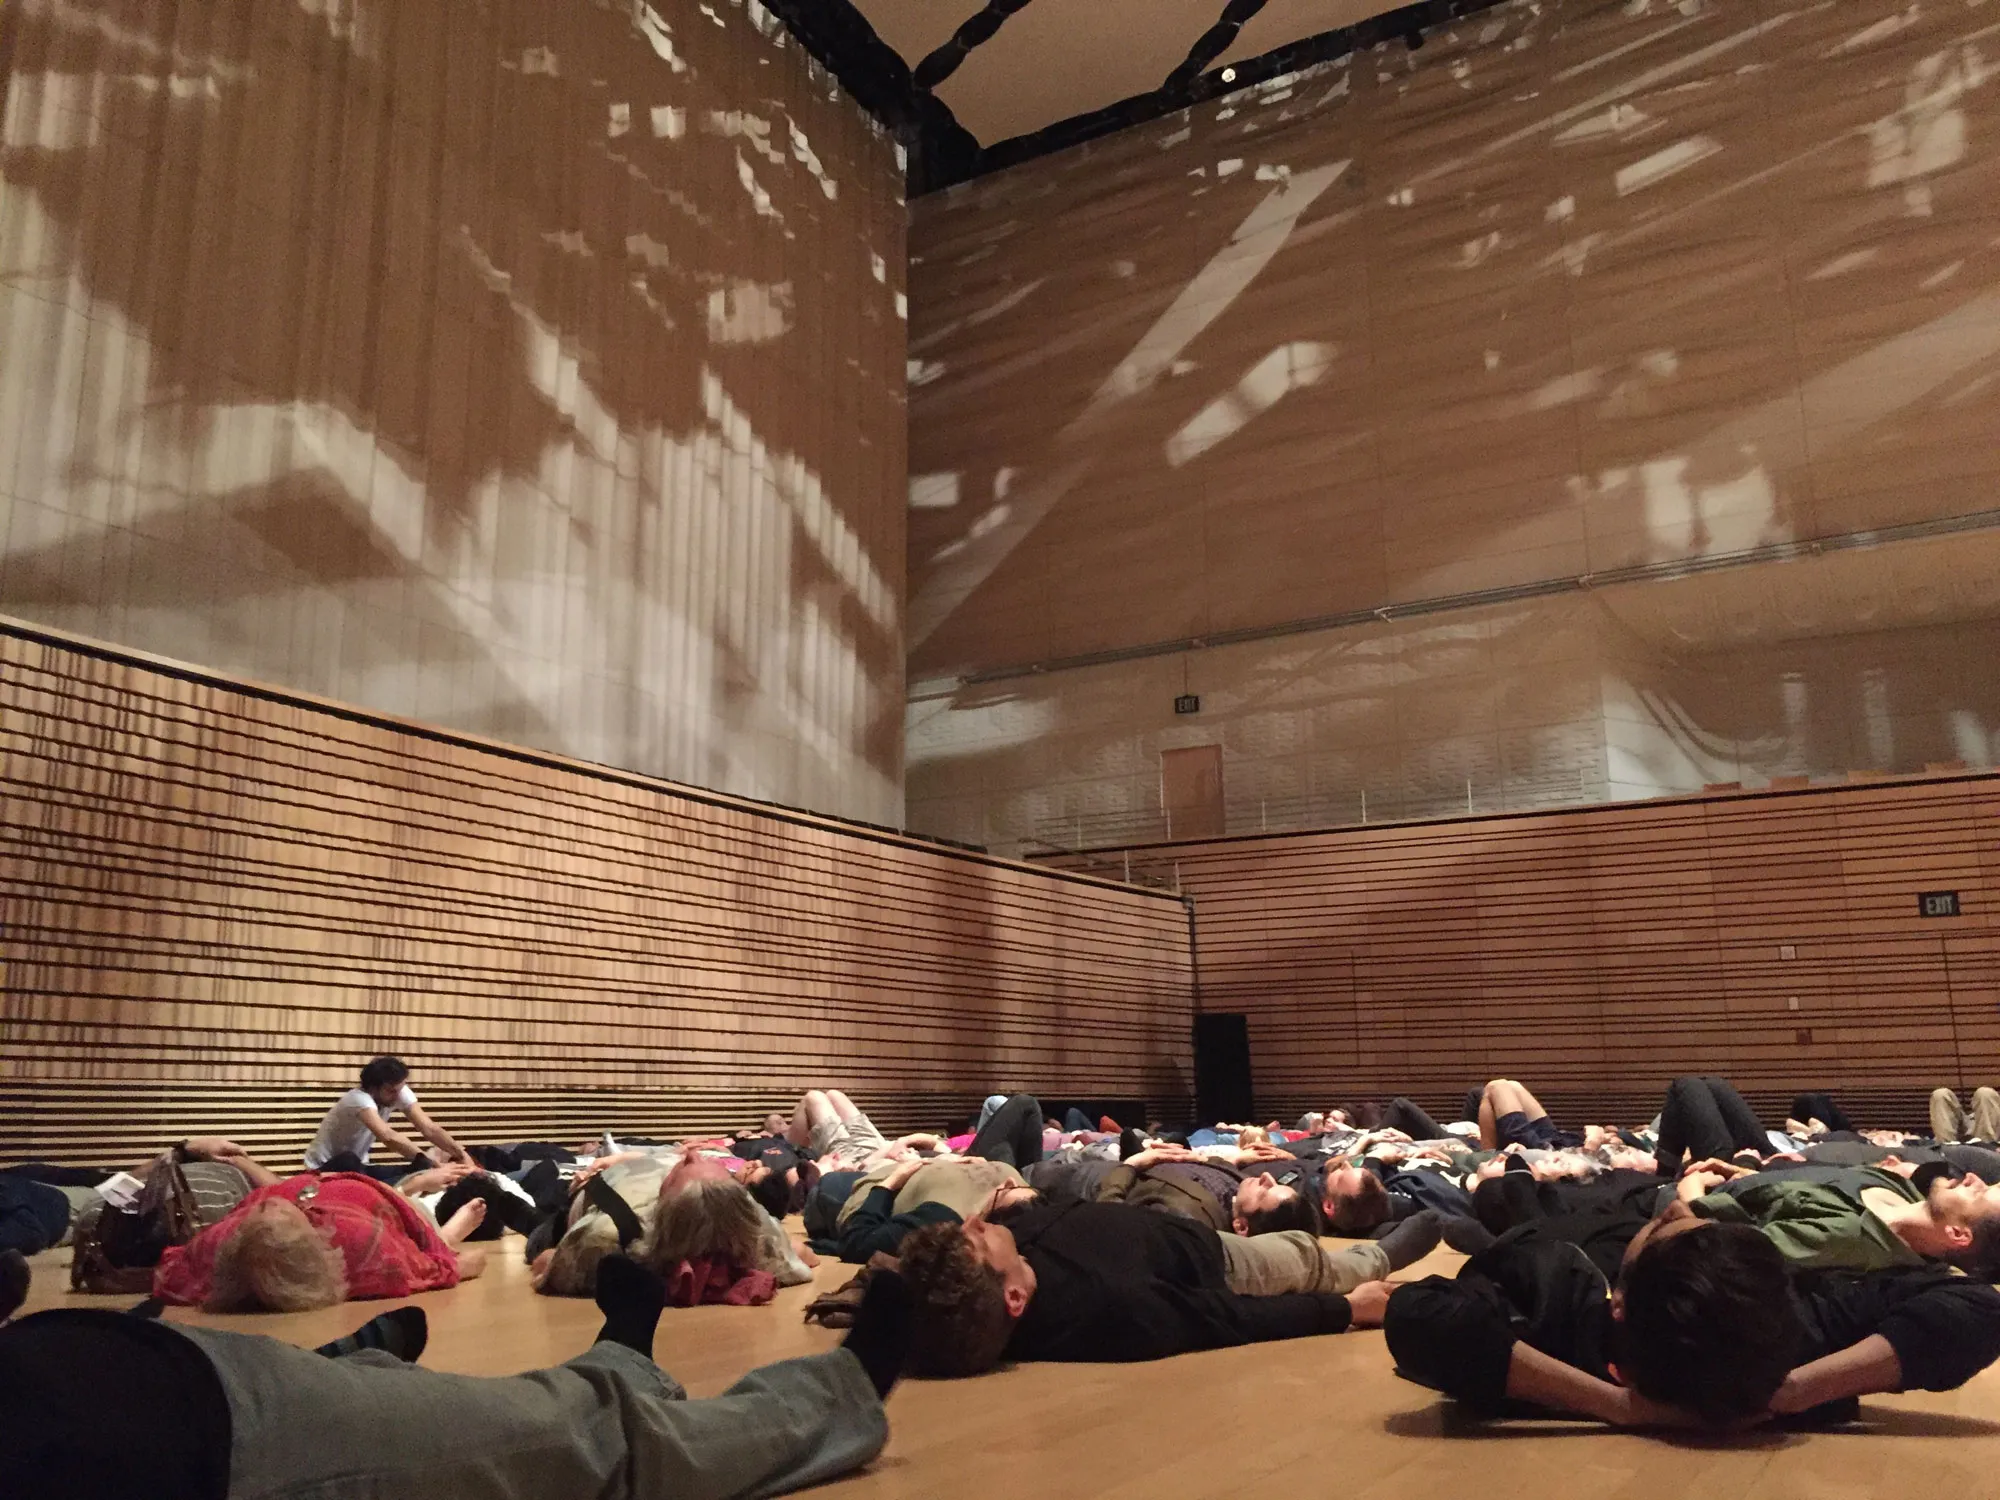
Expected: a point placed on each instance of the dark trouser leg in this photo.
(1746, 1131)
(1821, 1107)
(1407, 1116)
(1691, 1123)
(504, 1210)
(1075, 1120)
(1013, 1135)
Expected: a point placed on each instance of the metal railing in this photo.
(1084, 833)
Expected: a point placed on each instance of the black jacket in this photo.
(1115, 1283)
(1458, 1336)
(876, 1226)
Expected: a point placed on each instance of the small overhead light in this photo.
(1229, 75)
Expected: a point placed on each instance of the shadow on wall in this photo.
(467, 367)
(1575, 288)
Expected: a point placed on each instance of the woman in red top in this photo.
(314, 1240)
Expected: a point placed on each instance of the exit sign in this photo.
(1938, 904)
(1187, 703)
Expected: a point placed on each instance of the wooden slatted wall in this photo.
(219, 901)
(1771, 938)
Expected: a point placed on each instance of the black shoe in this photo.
(884, 1327)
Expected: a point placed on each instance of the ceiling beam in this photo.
(1211, 45)
(978, 27)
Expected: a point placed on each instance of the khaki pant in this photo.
(1265, 1265)
(1950, 1122)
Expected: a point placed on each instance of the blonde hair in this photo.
(706, 1217)
(276, 1261)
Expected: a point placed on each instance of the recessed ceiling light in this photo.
(1229, 75)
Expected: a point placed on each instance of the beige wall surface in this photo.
(529, 367)
(1582, 287)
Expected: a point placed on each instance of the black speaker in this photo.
(1222, 1069)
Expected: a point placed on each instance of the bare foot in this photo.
(458, 1228)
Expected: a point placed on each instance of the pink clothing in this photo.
(388, 1245)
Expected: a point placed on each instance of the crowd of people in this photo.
(1702, 1269)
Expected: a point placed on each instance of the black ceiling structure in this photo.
(943, 152)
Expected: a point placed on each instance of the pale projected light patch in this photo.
(933, 491)
(731, 684)
(1841, 265)
(1287, 368)
(659, 35)
(1661, 165)
(749, 313)
(1213, 290)
(1929, 133)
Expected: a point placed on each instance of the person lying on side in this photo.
(98, 1404)
(1705, 1325)
(1855, 1218)
(315, 1240)
(1110, 1282)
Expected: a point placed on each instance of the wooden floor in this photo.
(1311, 1418)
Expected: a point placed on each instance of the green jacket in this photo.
(1815, 1216)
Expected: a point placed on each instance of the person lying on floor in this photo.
(107, 1406)
(1357, 1199)
(1699, 1323)
(1952, 1122)
(1509, 1115)
(842, 1138)
(314, 1240)
(673, 1211)
(1855, 1218)
(1110, 1282)
(1228, 1199)
(520, 1205)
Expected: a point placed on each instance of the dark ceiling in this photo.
(969, 88)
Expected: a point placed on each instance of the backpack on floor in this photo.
(117, 1253)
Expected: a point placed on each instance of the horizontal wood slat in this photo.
(1774, 939)
(219, 900)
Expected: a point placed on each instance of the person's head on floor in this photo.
(382, 1079)
(1263, 1206)
(275, 1260)
(1705, 1317)
(778, 1192)
(1963, 1226)
(1356, 1201)
(703, 1212)
(968, 1283)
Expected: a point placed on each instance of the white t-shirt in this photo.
(343, 1129)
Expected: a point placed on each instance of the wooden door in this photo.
(1191, 792)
